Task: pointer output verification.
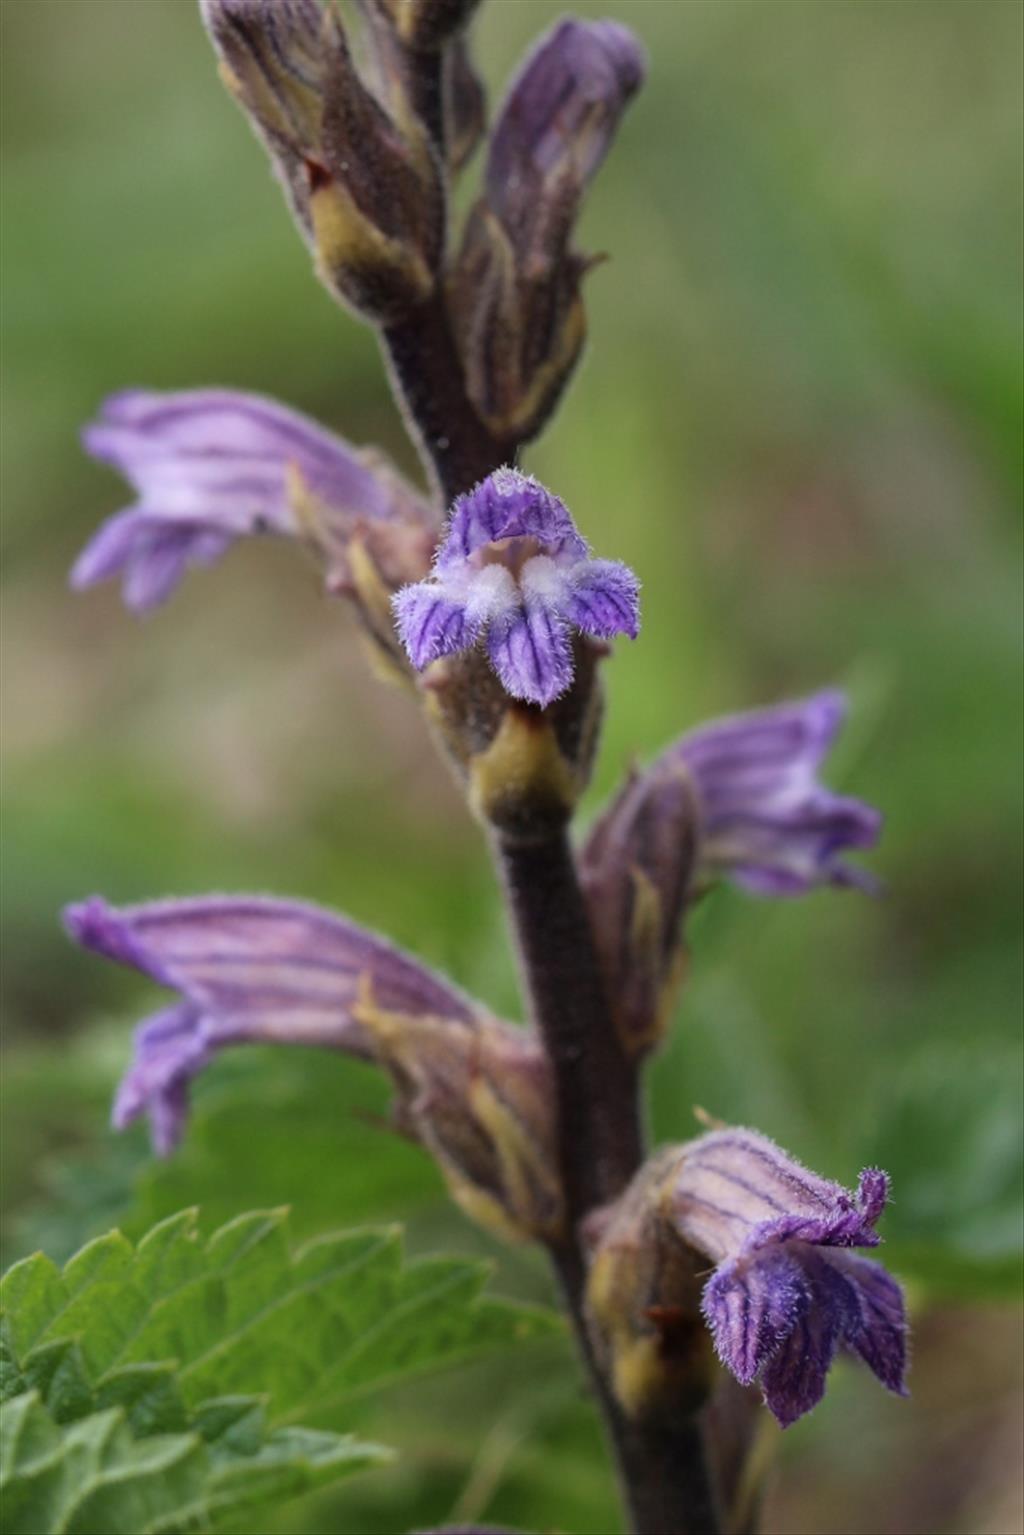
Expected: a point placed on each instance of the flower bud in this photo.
(363, 184)
(635, 870)
(515, 291)
(427, 24)
(466, 104)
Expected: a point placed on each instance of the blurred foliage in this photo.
(799, 420)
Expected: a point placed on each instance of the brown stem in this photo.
(662, 1467)
(600, 1134)
(427, 372)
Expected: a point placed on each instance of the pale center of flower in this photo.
(512, 553)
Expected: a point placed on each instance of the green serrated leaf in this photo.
(154, 1388)
(95, 1477)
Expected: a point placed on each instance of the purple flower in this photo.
(210, 466)
(248, 970)
(762, 818)
(513, 569)
(474, 1091)
(766, 821)
(787, 1292)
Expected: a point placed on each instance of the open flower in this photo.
(513, 570)
(250, 970)
(787, 1292)
(736, 799)
(765, 820)
(212, 465)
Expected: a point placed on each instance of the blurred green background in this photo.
(799, 420)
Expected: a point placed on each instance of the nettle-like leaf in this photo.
(154, 1387)
(95, 1476)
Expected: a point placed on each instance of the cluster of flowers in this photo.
(502, 593)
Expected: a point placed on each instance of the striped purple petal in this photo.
(605, 599)
(430, 624)
(509, 505)
(249, 969)
(513, 567)
(532, 655)
(786, 1293)
(210, 466)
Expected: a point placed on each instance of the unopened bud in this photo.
(363, 184)
(515, 294)
(466, 104)
(636, 869)
(427, 24)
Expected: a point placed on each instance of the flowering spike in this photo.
(512, 567)
(786, 1293)
(515, 292)
(474, 1091)
(364, 186)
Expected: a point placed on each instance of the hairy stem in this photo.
(662, 1466)
(427, 373)
(600, 1134)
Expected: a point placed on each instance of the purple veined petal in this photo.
(532, 655)
(559, 118)
(210, 466)
(782, 736)
(605, 599)
(880, 1335)
(249, 969)
(793, 1380)
(432, 624)
(509, 505)
(750, 1306)
(170, 1049)
(766, 821)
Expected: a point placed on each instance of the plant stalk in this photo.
(662, 1467)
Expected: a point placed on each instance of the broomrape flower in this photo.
(748, 787)
(512, 570)
(787, 1293)
(212, 465)
(474, 1091)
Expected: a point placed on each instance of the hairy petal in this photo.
(509, 505)
(605, 599)
(212, 465)
(879, 1335)
(248, 969)
(431, 624)
(751, 1307)
(531, 654)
